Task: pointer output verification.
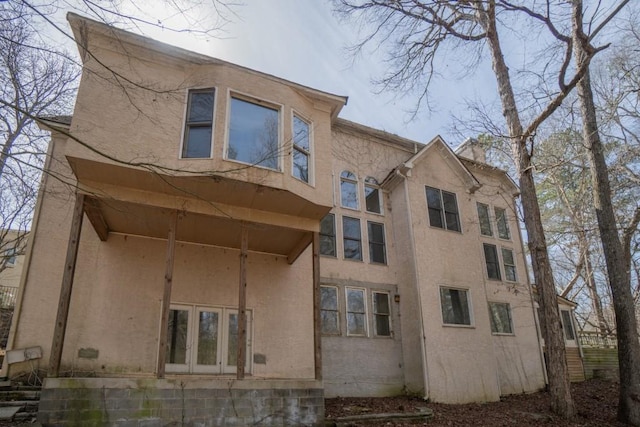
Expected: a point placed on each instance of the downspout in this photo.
(28, 256)
(423, 349)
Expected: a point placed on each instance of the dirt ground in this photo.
(596, 403)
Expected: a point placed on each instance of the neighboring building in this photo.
(226, 206)
(12, 247)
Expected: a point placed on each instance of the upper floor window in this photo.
(348, 190)
(500, 318)
(485, 221)
(198, 124)
(509, 265)
(356, 312)
(567, 325)
(301, 149)
(502, 224)
(381, 314)
(328, 235)
(455, 306)
(352, 238)
(491, 259)
(372, 195)
(377, 250)
(443, 209)
(254, 133)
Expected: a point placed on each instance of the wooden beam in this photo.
(166, 296)
(317, 331)
(92, 209)
(242, 305)
(60, 327)
(297, 250)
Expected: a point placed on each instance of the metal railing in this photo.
(597, 340)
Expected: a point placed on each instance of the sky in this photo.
(305, 42)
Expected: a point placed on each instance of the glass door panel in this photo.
(178, 338)
(230, 356)
(208, 347)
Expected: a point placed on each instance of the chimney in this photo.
(471, 149)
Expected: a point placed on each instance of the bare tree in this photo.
(419, 32)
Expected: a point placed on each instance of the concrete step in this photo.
(7, 413)
(9, 395)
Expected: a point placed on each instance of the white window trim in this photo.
(443, 215)
(498, 258)
(490, 218)
(338, 309)
(508, 334)
(311, 166)
(504, 266)
(355, 182)
(472, 322)
(380, 196)
(184, 121)
(342, 239)
(373, 315)
(384, 243)
(346, 311)
(506, 218)
(258, 101)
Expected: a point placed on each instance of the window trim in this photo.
(374, 314)
(506, 223)
(346, 311)
(383, 243)
(509, 313)
(337, 310)
(486, 261)
(469, 308)
(262, 103)
(353, 181)
(310, 162)
(571, 325)
(185, 122)
(504, 264)
(344, 238)
(443, 212)
(334, 236)
(488, 210)
(371, 182)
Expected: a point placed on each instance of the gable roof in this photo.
(81, 26)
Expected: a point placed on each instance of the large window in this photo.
(500, 317)
(381, 314)
(356, 312)
(328, 235)
(329, 310)
(377, 250)
(254, 133)
(502, 224)
(372, 195)
(492, 262)
(198, 124)
(443, 209)
(203, 339)
(509, 265)
(301, 149)
(455, 306)
(348, 190)
(352, 238)
(485, 221)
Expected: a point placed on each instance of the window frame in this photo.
(469, 313)
(232, 94)
(493, 325)
(364, 313)
(295, 147)
(372, 184)
(382, 244)
(187, 125)
(512, 267)
(504, 220)
(351, 181)
(442, 210)
(375, 314)
(333, 236)
(337, 311)
(487, 209)
(487, 262)
(568, 321)
(351, 239)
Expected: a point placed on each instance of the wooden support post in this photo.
(242, 305)
(60, 328)
(166, 296)
(317, 332)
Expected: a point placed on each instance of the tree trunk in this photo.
(603, 325)
(617, 268)
(558, 373)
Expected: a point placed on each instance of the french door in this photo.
(203, 339)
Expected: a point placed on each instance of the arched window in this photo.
(372, 195)
(349, 190)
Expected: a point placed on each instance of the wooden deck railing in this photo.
(597, 340)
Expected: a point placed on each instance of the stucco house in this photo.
(214, 245)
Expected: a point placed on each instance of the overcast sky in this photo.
(303, 41)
